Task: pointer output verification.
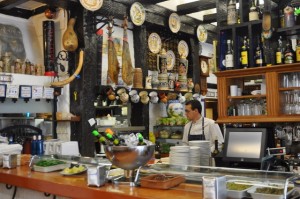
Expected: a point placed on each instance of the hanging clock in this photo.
(204, 66)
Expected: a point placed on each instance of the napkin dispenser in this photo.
(68, 148)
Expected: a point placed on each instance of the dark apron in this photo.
(197, 137)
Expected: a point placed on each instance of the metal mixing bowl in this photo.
(129, 158)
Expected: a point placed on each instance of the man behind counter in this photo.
(193, 130)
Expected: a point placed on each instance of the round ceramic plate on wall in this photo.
(137, 14)
(170, 59)
(92, 5)
(201, 34)
(183, 49)
(154, 43)
(174, 22)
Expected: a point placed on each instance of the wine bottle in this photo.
(140, 139)
(279, 52)
(245, 54)
(101, 138)
(229, 56)
(216, 150)
(288, 53)
(157, 152)
(298, 51)
(259, 54)
(253, 14)
(222, 63)
(113, 139)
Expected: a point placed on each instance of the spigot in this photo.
(32, 160)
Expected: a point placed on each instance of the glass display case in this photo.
(240, 183)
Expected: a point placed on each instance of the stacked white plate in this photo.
(194, 156)
(204, 151)
(179, 155)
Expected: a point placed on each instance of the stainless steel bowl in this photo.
(129, 158)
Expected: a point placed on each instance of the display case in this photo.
(250, 182)
(271, 87)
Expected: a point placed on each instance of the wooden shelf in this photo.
(73, 119)
(129, 128)
(247, 97)
(108, 107)
(289, 89)
(259, 119)
(289, 30)
(283, 68)
(273, 93)
(240, 25)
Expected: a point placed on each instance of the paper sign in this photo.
(37, 92)
(2, 90)
(12, 91)
(48, 93)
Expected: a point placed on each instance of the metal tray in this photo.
(50, 168)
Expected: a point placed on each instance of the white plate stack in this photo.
(194, 156)
(179, 155)
(204, 151)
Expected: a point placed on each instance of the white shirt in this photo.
(212, 132)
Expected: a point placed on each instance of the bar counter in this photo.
(76, 186)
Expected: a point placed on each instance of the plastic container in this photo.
(254, 195)
(39, 146)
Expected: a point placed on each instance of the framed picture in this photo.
(25, 91)
(2, 90)
(183, 67)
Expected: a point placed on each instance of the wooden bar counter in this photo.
(76, 186)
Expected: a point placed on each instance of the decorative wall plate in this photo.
(201, 34)
(154, 43)
(174, 22)
(92, 5)
(137, 14)
(170, 59)
(183, 49)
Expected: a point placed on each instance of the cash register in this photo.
(252, 148)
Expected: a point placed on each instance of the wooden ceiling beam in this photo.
(210, 18)
(129, 2)
(17, 12)
(9, 4)
(195, 6)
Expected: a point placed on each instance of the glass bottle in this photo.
(229, 56)
(33, 145)
(216, 150)
(140, 139)
(289, 53)
(157, 152)
(245, 54)
(259, 54)
(280, 52)
(231, 12)
(289, 16)
(253, 14)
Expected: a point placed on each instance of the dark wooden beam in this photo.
(196, 6)
(17, 12)
(9, 4)
(129, 2)
(66, 4)
(210, 18)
